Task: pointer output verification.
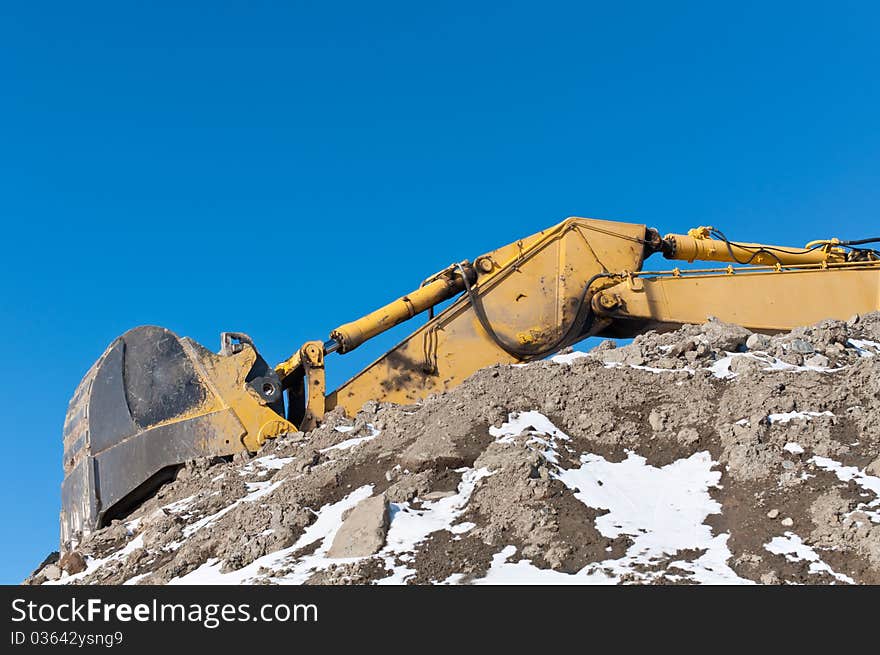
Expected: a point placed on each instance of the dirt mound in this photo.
(709, 454)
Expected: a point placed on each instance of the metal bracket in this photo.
(634, 282)
(307, 387)
(232, 343)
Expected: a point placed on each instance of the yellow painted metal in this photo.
(697, 245)
(226, 377)
(767, 300)
(530, 291)
(290, 365)
(443, 286)
(314, 383)
(304, 378)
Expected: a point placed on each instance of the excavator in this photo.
(154, 400)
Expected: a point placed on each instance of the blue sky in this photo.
(279, 168)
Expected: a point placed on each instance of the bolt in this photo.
(484, 264)
(607, 301)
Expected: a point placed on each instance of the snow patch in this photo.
(721, 367)
(327, 523)
(869, 483)
(787, 417)
(846, 473)
(410, 526)
(866, 348)
(568, 358)
(523, 572)
(795, 550)
(462, 528)
(265, 464)
(93, 564)
(135, 579)
(661, 509)
(257, 490)
(351, 443)
(179, 506)
(537, 426)
(272, 462)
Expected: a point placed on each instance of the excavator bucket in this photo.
(150, 403)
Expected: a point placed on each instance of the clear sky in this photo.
(279, 168)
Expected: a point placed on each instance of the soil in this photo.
(792, 427)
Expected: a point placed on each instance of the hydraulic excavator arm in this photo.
(582, 278)
(155, 400)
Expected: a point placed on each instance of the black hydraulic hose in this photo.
(768, 249)
(785, 251)
(527, 353)
(755, 253)
(859, 242)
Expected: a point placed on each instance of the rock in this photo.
(363, 531)
(834, 349)
(432, 450)
(688, 436)
(758, 342)
(241, 457)
(844, 535)
(725, 336)
(72, 562)
(819, 361)
(409, 486)
(308, 460)
(741, 365)
(800, 346)
(873, 468)
(630, 355)
(52, 572)
(606, 344)
(769, 578)
(825, 333)
(682, 347)
(657, 419)
(773, 513)
(787, 522)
